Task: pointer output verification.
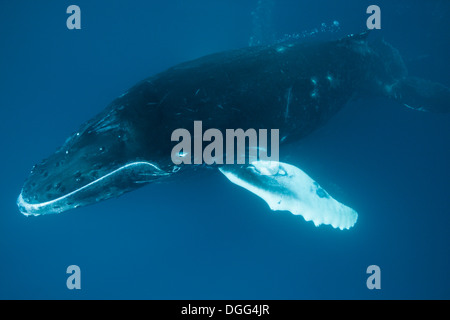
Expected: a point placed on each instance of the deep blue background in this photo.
(203, 237)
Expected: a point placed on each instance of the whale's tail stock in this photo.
(421, 94)
(412, 92)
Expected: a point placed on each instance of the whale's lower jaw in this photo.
(126, 178)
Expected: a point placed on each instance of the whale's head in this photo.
(105, 158)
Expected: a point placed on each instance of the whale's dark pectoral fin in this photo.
(422, 95)
(285, 187)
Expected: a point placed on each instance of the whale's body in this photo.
(294, 87)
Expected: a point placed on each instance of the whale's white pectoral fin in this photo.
(285, 187)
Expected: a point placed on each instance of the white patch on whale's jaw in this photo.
(135, 172)
(287, 188)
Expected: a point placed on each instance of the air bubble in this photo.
(332, 27)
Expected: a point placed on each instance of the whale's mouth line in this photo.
(36, 209)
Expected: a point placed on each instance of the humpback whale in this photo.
(292, 86)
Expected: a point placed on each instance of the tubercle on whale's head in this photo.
(100, 161)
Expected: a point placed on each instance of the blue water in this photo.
(203, 237)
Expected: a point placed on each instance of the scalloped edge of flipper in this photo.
(285, 187)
